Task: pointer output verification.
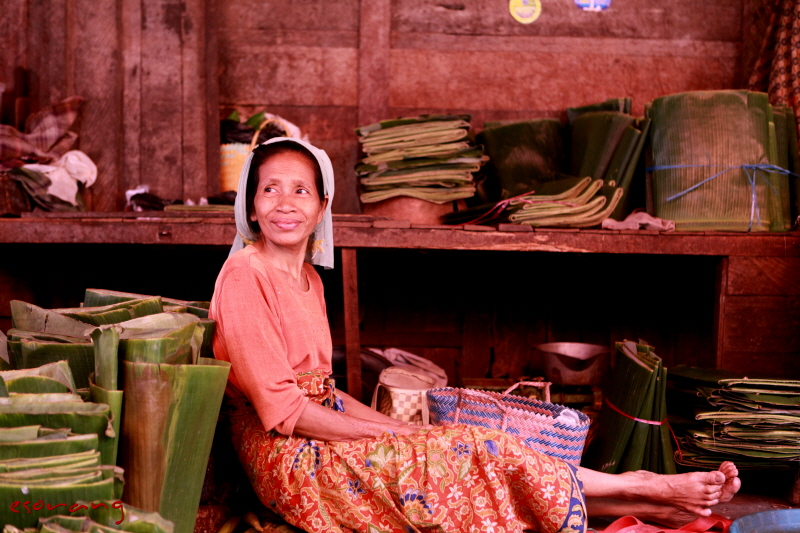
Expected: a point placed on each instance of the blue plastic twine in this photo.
(751, 171)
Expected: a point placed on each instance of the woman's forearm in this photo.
(357, 409)
(322, 423)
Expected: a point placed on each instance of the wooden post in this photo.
(719, 311)
(352, 334)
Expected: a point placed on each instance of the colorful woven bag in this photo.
(553, 429)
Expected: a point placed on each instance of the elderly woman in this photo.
(326, 462)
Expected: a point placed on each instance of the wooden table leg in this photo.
(352, 334)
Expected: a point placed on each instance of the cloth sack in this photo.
(400, 394)
(415, 364)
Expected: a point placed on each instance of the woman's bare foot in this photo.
(732, 481)
(694, 492)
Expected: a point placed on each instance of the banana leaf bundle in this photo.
(716, 162)
(757, 423)
(631, 432)
(427, 157)
(100, 297)
(595, 138)
(523, 155)
(105, 516)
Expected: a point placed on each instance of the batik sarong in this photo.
(448, 479)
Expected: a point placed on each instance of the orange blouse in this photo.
(269, 331)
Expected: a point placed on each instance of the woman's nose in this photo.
(286, 203)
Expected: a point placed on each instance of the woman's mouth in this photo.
(286, 223)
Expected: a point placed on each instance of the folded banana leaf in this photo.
(630, 434)
(626, 178)
(108, 488)
(471, 155)
(436, 195)
(71, 412)
(411, 130)
(595, 137)
(620, 105)
(610, 196)
(114, 313)
(622, 155)
(78, 459)
(19, 433)
(700, 140)
(413, 140)
(47, 446)
(522, 155)
(114, 400)
(438, 150)
(170, 416)
(365, 131)
(29, 317)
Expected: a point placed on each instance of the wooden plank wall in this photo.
(147, 71)
(330, 66)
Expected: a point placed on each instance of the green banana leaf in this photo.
(522, 155)
(445, 150)
(114, 400)
(115, 313)
(365, 131)
(31, 353)
(170, 415)
(81, 417)
(627, 177)
(120, 516)
(595, 137)
(19, 433)
(109, 488)
(100, 297)
(436, 195)
(59, 372)
(622, 155)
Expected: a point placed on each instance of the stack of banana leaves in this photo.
(721, 161)
(93, 516)
(755, 423)
(544, 184)
(631, 431)
(148, 369)
(428, 157)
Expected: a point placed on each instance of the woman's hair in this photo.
(260, 155)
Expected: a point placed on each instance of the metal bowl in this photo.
(780, 521)
(574, 363)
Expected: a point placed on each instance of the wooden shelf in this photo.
(361, 232)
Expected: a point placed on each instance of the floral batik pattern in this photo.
(448, 479)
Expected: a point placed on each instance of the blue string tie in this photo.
(752, 173)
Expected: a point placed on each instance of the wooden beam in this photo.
(351, 322)
(375, 21)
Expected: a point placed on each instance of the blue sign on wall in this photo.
(593, 5)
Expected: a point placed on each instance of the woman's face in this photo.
(286, 204)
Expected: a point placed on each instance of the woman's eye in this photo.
(302, 190)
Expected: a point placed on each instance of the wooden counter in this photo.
(757, 306)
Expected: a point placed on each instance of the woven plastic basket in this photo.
(553, 429)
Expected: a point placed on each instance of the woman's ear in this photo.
(322, 210)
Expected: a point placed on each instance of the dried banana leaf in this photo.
(5, 360)
(522, 155)
(414, 140)
(19, 433)
(627, 177)
(622, 155)
(29, 317)
(595, 137)
(699, 135)
(437, 150)
(170, 416)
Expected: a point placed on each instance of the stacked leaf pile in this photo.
(427, 157)
(543, 183)
(632, 433)
(151, 385)
(756, 425)
(96, 516)
(720, 161)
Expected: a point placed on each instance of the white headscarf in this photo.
(320, 245)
